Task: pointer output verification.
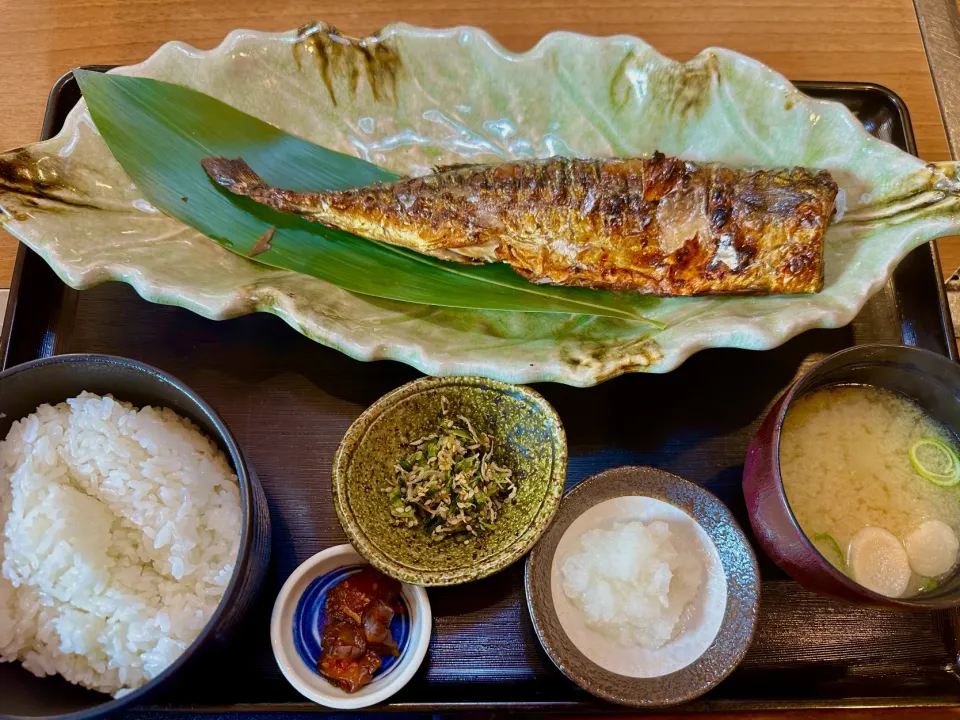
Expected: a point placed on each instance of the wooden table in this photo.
(857, 40)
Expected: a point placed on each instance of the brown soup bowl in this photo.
(930, 380)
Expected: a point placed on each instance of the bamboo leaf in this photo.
(159, 132)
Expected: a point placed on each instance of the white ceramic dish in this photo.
(312, 578)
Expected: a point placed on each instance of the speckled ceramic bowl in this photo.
(528, 438)
(718, 627)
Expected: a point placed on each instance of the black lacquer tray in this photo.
(289, 400)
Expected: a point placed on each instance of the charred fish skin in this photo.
(657, 225)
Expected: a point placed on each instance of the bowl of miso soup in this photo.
(853, 479)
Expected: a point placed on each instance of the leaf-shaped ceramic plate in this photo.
(410, 98)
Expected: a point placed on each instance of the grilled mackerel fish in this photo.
(657, 225)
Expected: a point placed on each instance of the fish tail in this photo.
(240, 179)
(235, 175)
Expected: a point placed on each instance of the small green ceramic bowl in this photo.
(528, 438)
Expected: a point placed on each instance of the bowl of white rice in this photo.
(134, 535)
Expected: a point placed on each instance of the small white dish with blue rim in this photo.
(297, 624)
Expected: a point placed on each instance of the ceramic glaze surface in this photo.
(527, 437)
(410, 98)
(632, 683)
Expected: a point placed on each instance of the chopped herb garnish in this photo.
(936, 461)
(449, 484)
(826, 540)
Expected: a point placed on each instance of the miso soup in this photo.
(874, 483)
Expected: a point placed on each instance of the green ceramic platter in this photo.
(411, 98)
(528, 438)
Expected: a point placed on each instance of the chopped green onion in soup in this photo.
(936, 461)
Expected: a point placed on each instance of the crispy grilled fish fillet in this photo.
(654, 225)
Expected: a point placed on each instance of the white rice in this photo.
(121, 529)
